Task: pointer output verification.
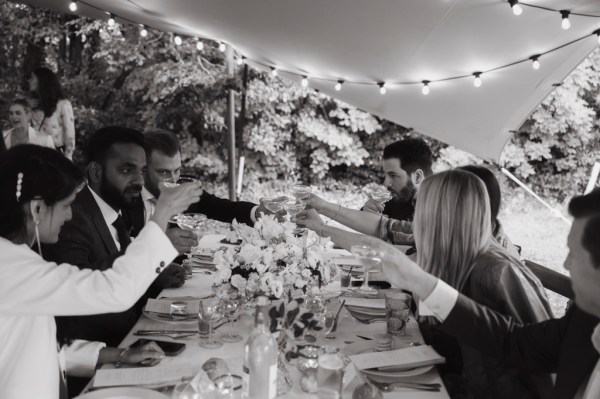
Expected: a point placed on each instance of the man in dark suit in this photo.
(163, 153)
(568, 346)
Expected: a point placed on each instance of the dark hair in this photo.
(162, 141)
(589, 206)
(22, 102)
(493, 189)
(103, 139)
(413, 154)
(46, 175)
(49, 91)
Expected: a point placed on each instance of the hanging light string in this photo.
(383, 86)
(579, 14)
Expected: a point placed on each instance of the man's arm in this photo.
(223, 210)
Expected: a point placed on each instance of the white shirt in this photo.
(33, 291)
(34, 138)
(442, 300)
(109, 215)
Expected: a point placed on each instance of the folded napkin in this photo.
(364, 302)
(398, 359)
(163, 306)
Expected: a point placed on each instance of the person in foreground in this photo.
(37, 186)
(568, 346)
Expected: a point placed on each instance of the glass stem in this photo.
(231, 326)
(366, 278)
(210, 331)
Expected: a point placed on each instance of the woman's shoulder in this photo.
(490, 266)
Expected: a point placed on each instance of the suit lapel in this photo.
(90, 206)
(578, 356)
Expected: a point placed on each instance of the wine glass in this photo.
(274, 204)
(191, 222)
(381, 195)
(368, 258)
(231, 306)
(211, 310)
(293, 208)
(171, 182)
(300, 191)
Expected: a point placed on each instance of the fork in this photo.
(392, 386)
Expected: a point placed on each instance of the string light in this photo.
(273, 71)
(177, 40)
(241, 60)
(222, 47)
(425, 89)
(382, 88)
(73, 6)
(304, 81)
(338, 85)
(477, 80)
(111, 20)
(199, 45)
(535, 62)
(516, 8)
(143, 31)
(565, 24)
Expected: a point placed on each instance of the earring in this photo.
(37, 236)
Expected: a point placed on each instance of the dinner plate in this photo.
(191, 318)
(123, 393)
(367, 312)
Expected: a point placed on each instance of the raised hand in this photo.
(316, 202)
(373, 206)
(174, 200)
(310, 219)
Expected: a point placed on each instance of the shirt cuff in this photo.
(82, 357)
(253, 214)
(441, 301)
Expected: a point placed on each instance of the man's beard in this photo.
(117, 199)
(407, 193)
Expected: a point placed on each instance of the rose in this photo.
(238, 282)
(249, 253)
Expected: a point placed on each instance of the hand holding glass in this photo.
(381, 196)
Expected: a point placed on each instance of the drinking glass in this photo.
(368, 258)
(328, 318)
(210, 311)
(231, 307)
(274, 204)
(191, 222)
(300, 191)
(397, 312)
(382, 196)
(330, 375)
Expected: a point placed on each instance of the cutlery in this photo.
(337, 316)
(365, 338)
(392, 386)
(170, 335)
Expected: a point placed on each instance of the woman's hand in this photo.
(310, 219)
(174, 200)
(316, 202)
(149, 354)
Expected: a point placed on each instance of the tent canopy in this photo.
(400, 42)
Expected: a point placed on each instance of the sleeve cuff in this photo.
(253, 214)
(440, 302)
(81, 357)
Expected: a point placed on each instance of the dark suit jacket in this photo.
(213, 207)
(85, 241)
(561, 346)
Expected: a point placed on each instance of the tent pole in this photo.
(230, 125)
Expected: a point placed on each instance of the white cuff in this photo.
(81, 357)
(253, 214)
(441, 301)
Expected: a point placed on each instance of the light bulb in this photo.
(241, 61)
(425, 89)
(304, 81)
(382, 88)
(199, 45)
(598, 34)
(143, 31)
(273, 71)
(516, 8)
(177, 40)
(338, 85)
(565, 24)
(535, 64)
(222, 47)
(477, 80)
(111, 21)
(73, 6)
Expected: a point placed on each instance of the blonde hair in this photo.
(452, 225)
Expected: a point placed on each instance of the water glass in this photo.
(330, 375)
(397, 312)
(231, 306)
(188, 266)
(178, 310)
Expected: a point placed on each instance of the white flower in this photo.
(306, 273)
(224, 275)
(238, 281)
(249, 253)
(277, 288)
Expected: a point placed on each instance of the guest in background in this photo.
(19, 115)
(52, 112)
(37, 187)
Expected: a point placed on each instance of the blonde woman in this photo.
(453, 235)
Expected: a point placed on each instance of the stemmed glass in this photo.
(293, 208)
(231, 306)
(274, 204)
(191, 222)
(300, 191)
(211, 310)
(368, 257)
(381, 195)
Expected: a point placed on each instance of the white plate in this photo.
(123, 393)
(366, 311)
(192, 318)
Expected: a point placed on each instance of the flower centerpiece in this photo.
(272, 259)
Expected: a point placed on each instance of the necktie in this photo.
(122, 233)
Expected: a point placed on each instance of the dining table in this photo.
(349, 333)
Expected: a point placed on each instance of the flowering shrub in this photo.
(272, 258)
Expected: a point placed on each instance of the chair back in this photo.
(552, 280)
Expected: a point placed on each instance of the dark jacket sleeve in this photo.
(222, 209)
(532, 347)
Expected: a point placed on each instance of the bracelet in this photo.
(337, 213)
(321, 229)
(121, 357)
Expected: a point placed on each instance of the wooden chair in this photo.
(552, 280)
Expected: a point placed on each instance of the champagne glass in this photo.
(231, 306)
(382, 196)
(171, 182)
(210, 311)
(368, 258)
(191, 222)
(274, 204)
(300, 191)
(293, 208)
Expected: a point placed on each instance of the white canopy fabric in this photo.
(394, 41)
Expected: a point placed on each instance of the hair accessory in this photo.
(19, 185)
